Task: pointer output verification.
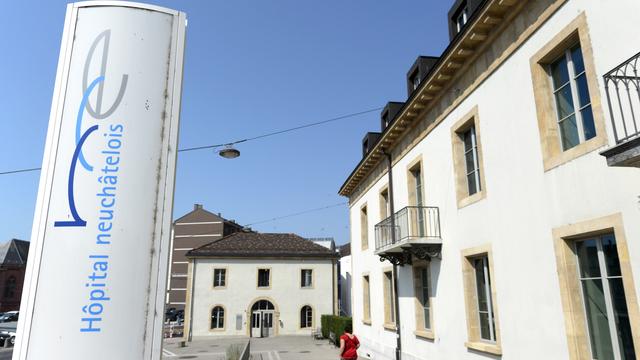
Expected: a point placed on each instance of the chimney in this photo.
(197, 207)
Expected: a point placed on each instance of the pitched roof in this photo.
(199, 214)
(345, 250)
(252, 244)
(14, 252)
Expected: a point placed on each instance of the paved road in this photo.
(5, 354)
(274, 348)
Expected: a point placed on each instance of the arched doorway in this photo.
(262, 318)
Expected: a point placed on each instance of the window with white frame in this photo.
(306, 278)
(264, 277)
(385, 119)
(422, 293)
(364, 228)
(471, 160)
(604, 298)
(389, 298)
(384, 204)
(217, 317)
(461, 19)
(219, 277)
(366, 298)
(416, 198)
(483, 294)
(415, 79)
(572, 100)
(416, 173)
(467, 159)
(306, 317)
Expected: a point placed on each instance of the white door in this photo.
(256, 321)
(267, 323)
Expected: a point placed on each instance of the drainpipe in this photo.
(395, 267)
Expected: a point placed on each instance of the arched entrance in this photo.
(262, 318)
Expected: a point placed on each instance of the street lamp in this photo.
(229, 152)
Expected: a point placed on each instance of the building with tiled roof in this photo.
(259, 285)
(13, 262)
(253, 244)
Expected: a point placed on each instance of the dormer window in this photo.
(414, 79)
(461, 19)
(385, 119)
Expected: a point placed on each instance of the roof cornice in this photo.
(462, 49)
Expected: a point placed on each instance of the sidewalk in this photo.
(273, 348)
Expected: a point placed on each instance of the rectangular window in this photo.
(483, 327)
(596, 285)
(264, 277)
(384, 204)
(416, 200)
(461, 19)
(219, 277)
(471, 160)
(467, 159)
(366, 300)
(364, 228)
(422, 295)
(389, 298)
(306, 278)
(483, 294)
(604, 298)
(416, 174)
(572, 101)
(385, 119)
(568, 106)
(415, 79)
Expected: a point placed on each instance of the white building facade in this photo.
(511, 235)
(259, 285)
(344, 283)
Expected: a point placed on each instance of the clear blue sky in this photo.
(251, 67)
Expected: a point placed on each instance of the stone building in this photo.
(259, 285)
(502, 230)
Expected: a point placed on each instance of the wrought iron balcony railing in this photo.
(622, 85)
(419, 223)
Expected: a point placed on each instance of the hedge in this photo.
(334, 324)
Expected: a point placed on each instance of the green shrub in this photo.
(324, 325)
(334, 324)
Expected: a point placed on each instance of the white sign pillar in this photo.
(97, 270)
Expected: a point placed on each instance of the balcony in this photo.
(411, 232)
(622, 85)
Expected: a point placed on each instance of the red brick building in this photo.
(13, 262)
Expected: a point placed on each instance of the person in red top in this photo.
(349, 344)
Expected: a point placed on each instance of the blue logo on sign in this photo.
(103, 38)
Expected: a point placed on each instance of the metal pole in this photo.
(395, 267)
(193, 282)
